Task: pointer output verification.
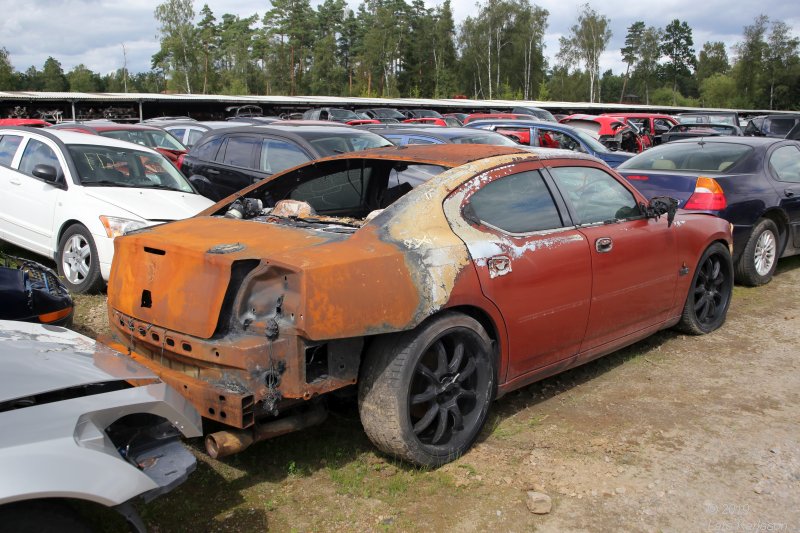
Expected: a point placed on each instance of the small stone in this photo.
(620, 490)
(775, 450)
(757, 489)
(539, 503)
(594, 493)
(388, 521)
(651, 485)
(507, 480)
(499, 512)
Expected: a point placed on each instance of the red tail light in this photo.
(708, 196)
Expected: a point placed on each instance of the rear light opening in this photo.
(708, 196)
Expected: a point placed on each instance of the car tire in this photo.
(424, 394)
(77, 260)
(759, 258)
(41, 517)
(710, 292)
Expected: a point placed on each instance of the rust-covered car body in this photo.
(249, 316)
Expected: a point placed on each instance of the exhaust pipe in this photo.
(224, 443)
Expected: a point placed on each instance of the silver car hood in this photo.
(35, 359)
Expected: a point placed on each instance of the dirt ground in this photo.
(674, 434)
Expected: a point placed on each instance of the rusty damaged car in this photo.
(433, 278)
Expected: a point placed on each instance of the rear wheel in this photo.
(759, 258)
(424, 394)
(710, 293)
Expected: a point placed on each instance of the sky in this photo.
(94, 32)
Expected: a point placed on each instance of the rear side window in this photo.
(334, 192)
(419, 140)
(239, 151)
(8, 147)
(519, 203)
(785, 163)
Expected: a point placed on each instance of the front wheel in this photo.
(710, 293)
(77, 260)
(424, 394)
(759, 258)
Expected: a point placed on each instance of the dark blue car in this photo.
(400, 136)
(752, 182)
(552, 135)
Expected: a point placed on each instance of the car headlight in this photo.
(119, 226)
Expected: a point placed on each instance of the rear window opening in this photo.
(336, 196)
(702, 157)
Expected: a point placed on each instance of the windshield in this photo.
(336, 142)
(109, 166)
(149, 138)
(702, 156)
(495, 139)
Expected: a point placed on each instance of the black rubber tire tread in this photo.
(93, 282)
(41, 516)
(745, 267)
(382, 388)
(689, 322)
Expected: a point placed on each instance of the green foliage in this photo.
(587, 41)
(676, 46)
(7, 78)
(53, 78)
(713, 59)
(718, 90)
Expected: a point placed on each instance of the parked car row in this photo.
(433, 276)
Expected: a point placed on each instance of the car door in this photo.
(531, 262)
(784, 167)
(235, 164)
(29, 203)
(634, 259)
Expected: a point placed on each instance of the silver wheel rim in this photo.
(76, 260)
(764, 254)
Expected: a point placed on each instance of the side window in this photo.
(595, 195)
(37, 153)
(397, 140)
(8, 147)
(519, 203)
(557, 139)
(785, 163)
(418, 140)
(277, 156)
(239, 151)
(194, 136)
(178, 132)
(209, 149)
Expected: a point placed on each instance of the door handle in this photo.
(212, 171)
(603, 245)
(789, 193)
(15, 181)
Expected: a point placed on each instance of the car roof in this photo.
(730, 139)
(445, 132)
(517, 122)
(108, 126)
(75, 137)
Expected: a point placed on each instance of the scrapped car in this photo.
(67, 195)
(150, 136)
(226, 160)
(83, 422)
(446, 122)
(384, 115)
(432, 277)
(612, 132)
(709, 117)
(189, 132)
(536, 112)
(772, 125)
(653, 125)
(31, 292)
(345, 116)
(483, 116)
(753, 182)
(552, 135)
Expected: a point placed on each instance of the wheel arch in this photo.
(60, 233)
(781, 219)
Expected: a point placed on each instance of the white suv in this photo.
(67, 195)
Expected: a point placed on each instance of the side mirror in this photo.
(47, 173)
(662, 205)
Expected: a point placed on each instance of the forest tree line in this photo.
(393, 48)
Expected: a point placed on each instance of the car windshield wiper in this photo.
(159, 187)
(104, 183)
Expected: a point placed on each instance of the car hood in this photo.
(152, 204)
(35, 359)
